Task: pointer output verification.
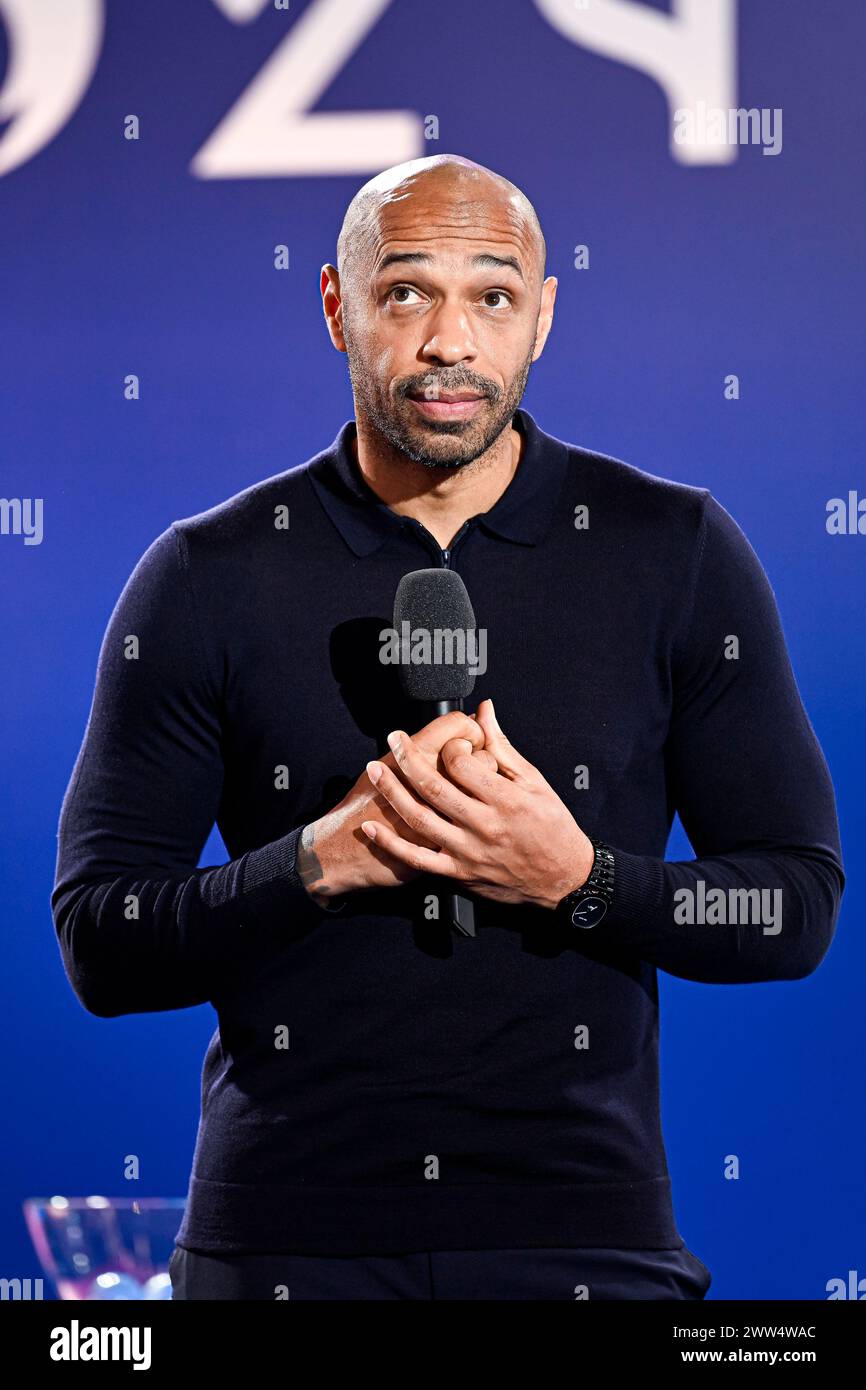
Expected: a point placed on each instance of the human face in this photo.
(442, 326)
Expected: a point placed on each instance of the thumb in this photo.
(508, 758)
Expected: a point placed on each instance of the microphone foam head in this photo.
(435, 624)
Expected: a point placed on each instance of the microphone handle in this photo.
(444, 707)
(460, 909)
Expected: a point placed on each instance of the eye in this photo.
(401, 290)
(497, 294)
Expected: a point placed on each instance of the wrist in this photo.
(576, 873)
(588, 903)
(317, 877)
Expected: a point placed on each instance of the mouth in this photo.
(451, 405)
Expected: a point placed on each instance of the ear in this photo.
(332, 304)
(545, 315)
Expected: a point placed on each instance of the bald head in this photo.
(444, 191)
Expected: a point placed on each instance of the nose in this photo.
(451, 338)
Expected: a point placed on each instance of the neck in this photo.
(442, 499)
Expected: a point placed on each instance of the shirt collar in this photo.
(522, 514)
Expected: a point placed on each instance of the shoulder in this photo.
(643, 513)
(619, 484)
(253, 513)
(667, 521)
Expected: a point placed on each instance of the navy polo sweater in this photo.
(377, 1083)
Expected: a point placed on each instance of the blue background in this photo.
(117, 259)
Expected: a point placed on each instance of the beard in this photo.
(436, 443)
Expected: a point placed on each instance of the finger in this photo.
(418, 817)
(400, 870)
(430, 784)
(511, 764)
(462, 744)
(485, 758)
(477, 777)
(383, 805)
(455, 724)
(481, 755)
(414, 856)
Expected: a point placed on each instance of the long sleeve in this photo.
(750, 782)
(140, 928)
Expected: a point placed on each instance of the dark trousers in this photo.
(550, 1274)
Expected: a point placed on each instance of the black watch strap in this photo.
(588, 904)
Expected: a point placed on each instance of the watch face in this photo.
(589, 911)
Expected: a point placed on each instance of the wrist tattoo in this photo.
(308, 867)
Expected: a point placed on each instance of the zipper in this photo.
(445, 556)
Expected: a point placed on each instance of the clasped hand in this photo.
(492, 824)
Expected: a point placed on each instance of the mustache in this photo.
(431, 383)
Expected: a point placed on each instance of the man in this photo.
(390, 1109)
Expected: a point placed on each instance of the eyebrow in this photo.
(484, 261)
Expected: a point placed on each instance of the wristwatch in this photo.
(585, 906)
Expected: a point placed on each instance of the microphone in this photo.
(434, 605)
